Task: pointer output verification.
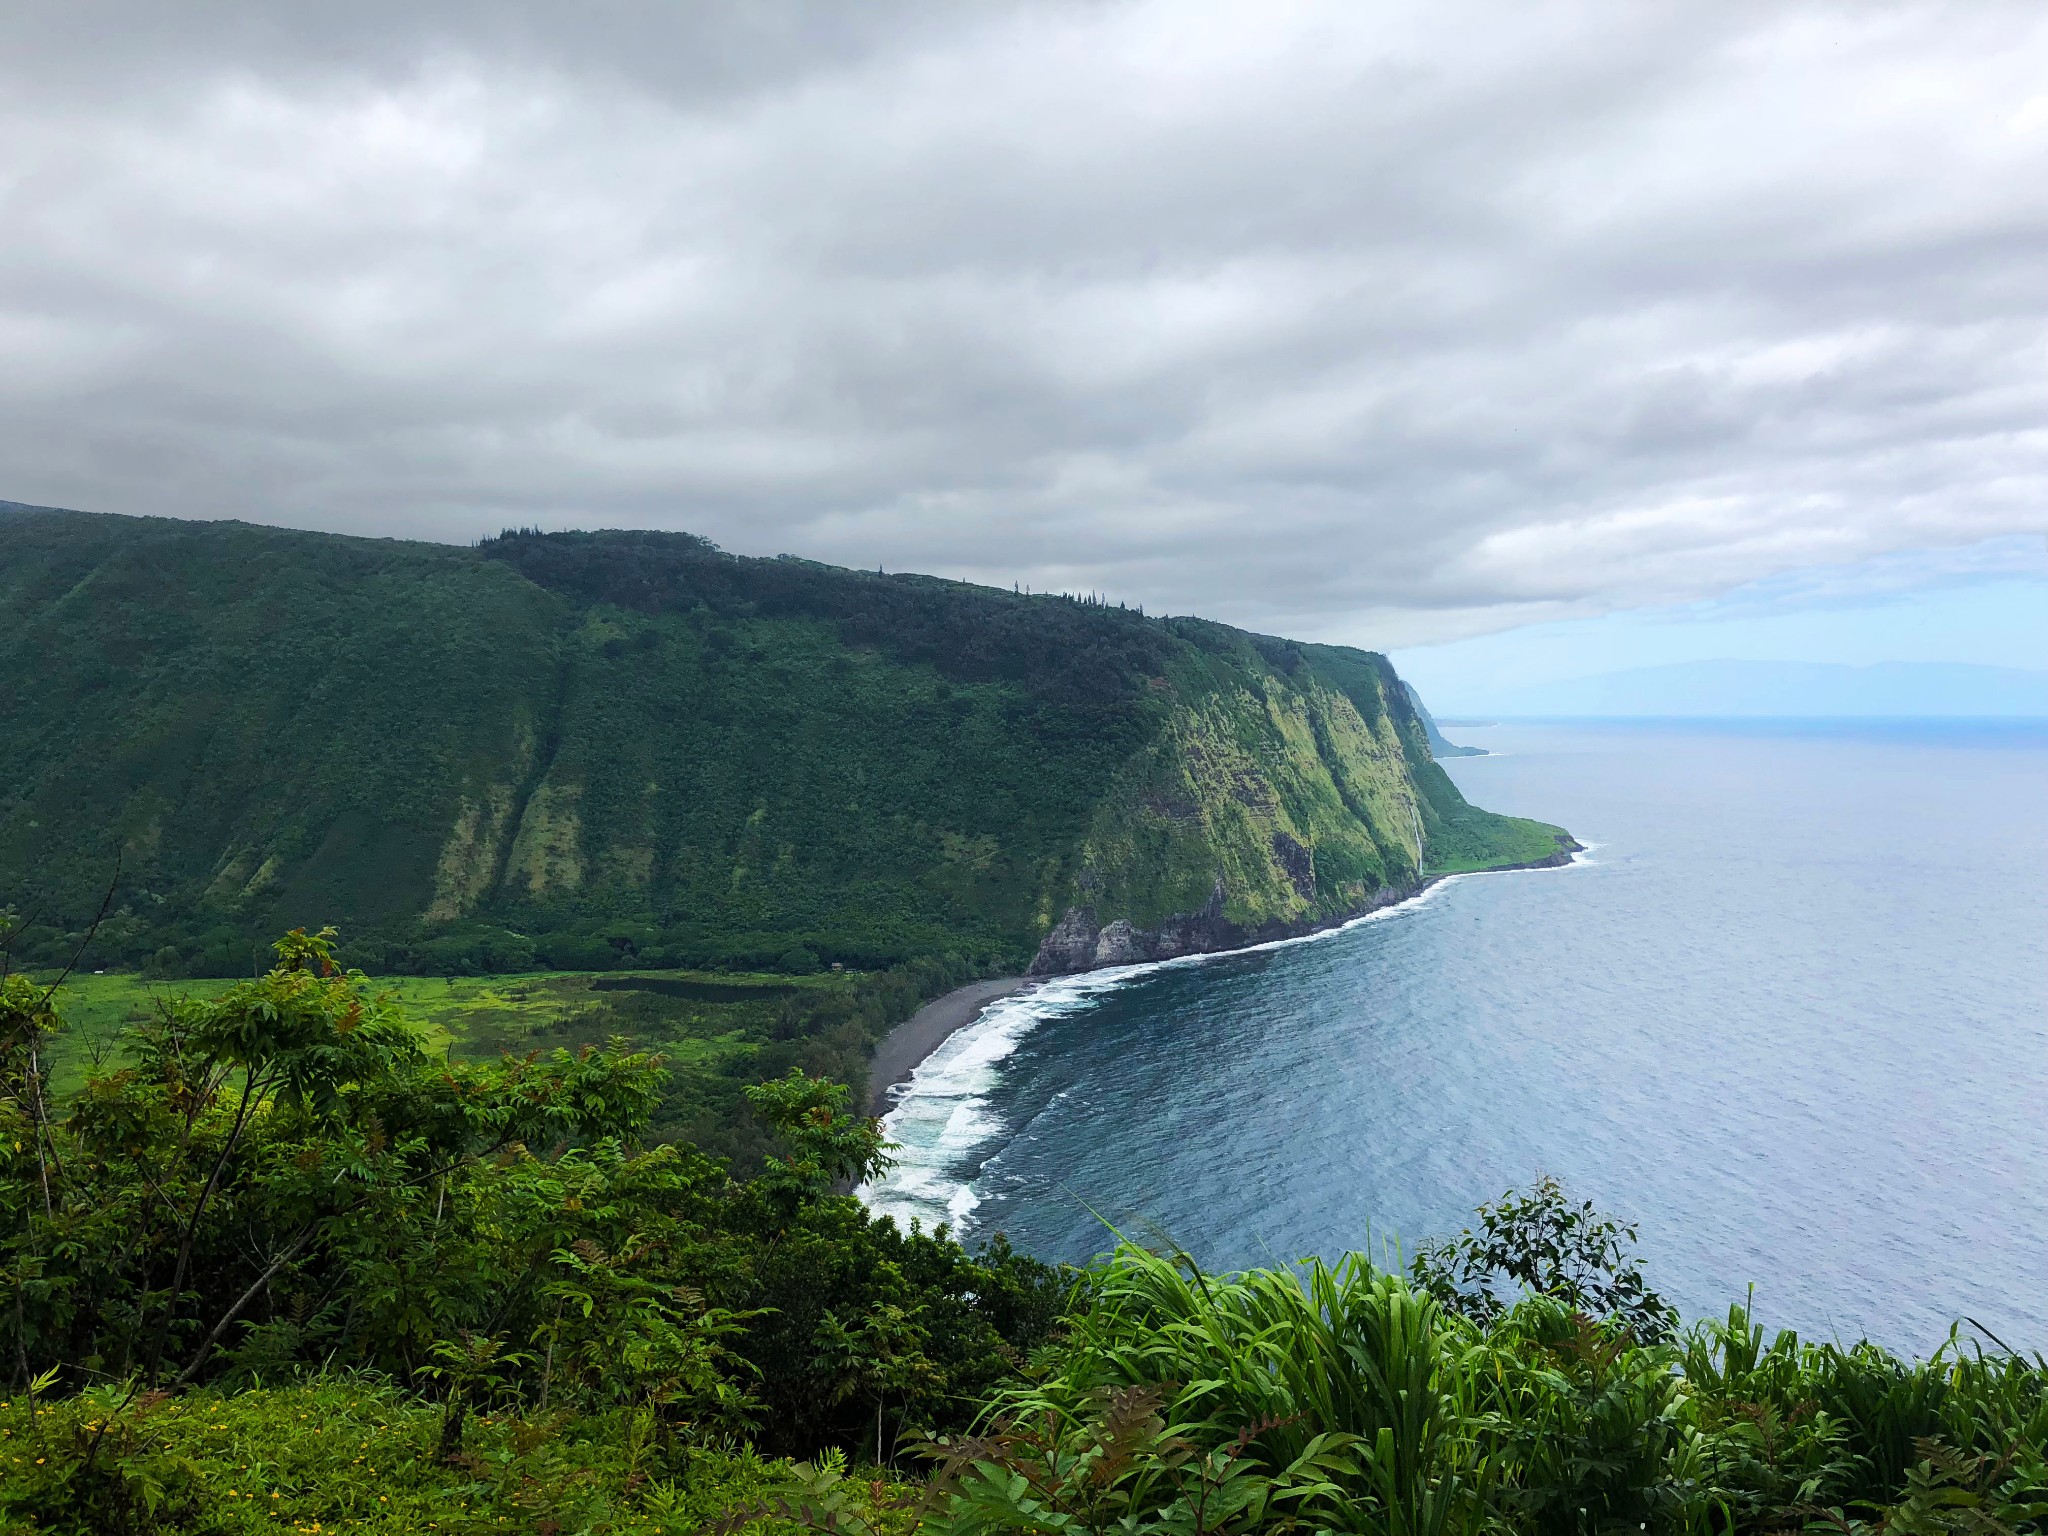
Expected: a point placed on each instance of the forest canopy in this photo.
(618, 750)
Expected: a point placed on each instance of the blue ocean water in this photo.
(1790, 1015)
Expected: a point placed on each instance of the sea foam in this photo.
(941, 1122)
(941, 1118)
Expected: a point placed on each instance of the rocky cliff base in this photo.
(1079, 942)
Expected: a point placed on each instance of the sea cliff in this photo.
(1275, 800)
(1081, 942)
(583, 751)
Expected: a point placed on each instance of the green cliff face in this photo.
(1288, 787)
(587, 750)
(1282, 794)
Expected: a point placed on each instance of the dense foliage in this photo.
(283, 1268)
(718, 1033)
(344, 1452)
(280, 1180)
(586, 751)
(1540, 1243)
(1348, 1399)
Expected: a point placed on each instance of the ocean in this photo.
(1788, 1014)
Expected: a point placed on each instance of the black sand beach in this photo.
(919, 1035)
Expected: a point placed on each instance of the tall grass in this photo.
(1344, 1398)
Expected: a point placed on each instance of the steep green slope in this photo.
(260, 725)
(1287, 787)
(584, 750)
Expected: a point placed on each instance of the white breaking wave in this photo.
(941, 1117)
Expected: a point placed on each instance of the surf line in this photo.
(939, 1118)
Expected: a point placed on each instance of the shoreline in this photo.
(903, 1050)
(1077, 944)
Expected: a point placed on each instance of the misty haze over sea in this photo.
(1787, 1014)
(1798, 690)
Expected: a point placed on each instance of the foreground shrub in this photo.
(360, 1456)
(280, 1269)
(1346, 1398)
(282, 1180)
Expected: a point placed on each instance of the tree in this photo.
(284, 1178)
(1543, 1243)
(828, 1144)
(236, 1173)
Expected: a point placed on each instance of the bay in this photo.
(1789, 1015)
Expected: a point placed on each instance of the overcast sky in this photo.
(1372, 322)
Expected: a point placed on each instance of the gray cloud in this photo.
(1377, 323)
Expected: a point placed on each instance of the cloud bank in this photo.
(1387, 323)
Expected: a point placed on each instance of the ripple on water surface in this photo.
(1791, 1016)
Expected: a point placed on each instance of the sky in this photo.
(1502, 336)
(1980, 606)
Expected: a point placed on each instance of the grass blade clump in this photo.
(1345, 1397)
(1175, 1387)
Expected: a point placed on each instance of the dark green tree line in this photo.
(281, 1179)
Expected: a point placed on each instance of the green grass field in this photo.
(717, 1032)
(695, 1019)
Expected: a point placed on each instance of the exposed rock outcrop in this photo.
(1079, 942)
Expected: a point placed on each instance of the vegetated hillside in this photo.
(279, 1266)
(584, 750)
